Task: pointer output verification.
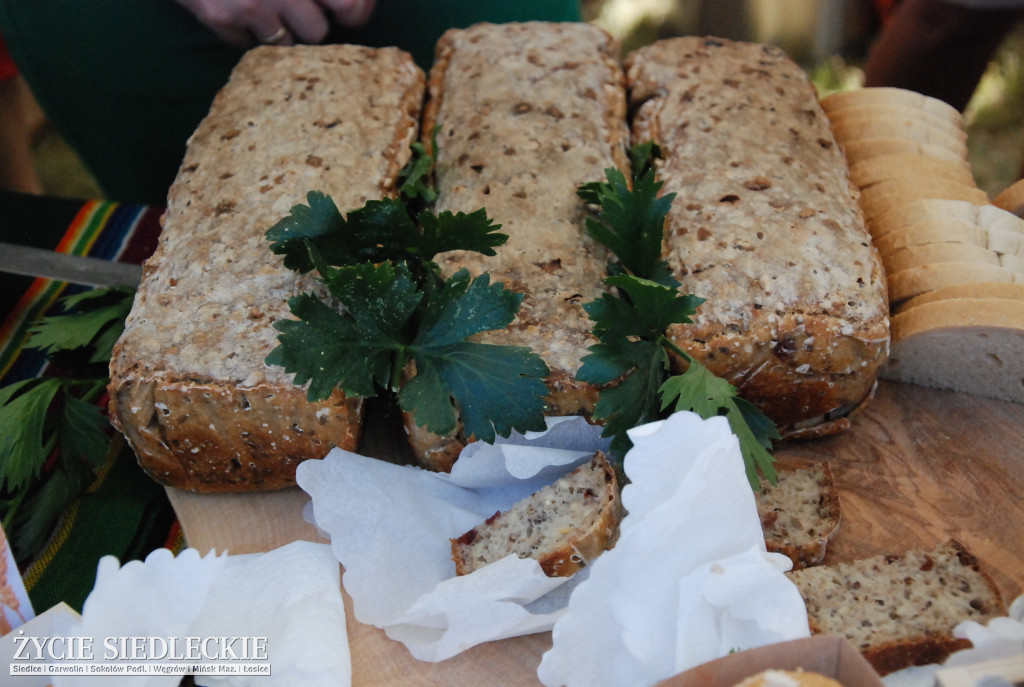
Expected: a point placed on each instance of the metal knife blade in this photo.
(76, 269)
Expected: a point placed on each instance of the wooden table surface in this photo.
(918, 467)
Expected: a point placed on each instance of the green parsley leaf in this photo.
(474, 231)
(699, 390)
(642, 156)
(354, 349)
(631, 222)
(415, 176)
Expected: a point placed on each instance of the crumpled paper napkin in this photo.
(689, 579)
(291, 596)
(390, 527)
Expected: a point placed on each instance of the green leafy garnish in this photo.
(397, 308)
(55, 435)
(632, 361)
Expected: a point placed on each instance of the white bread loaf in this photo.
(564, 526)
(190, 388)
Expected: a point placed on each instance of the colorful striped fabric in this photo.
(123, 513)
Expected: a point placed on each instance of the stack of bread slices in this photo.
(954, 260)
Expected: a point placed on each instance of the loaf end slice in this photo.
(900, 611)
(563, 526)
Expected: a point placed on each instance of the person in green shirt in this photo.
(126, 83)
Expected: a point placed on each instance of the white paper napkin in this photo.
(291, 596)
(390, 528)
(689, 579)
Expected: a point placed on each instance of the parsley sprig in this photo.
(396, 307)
(632, 360)
(55, 435)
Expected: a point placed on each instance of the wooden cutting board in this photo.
(918, 467)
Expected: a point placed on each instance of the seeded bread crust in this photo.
(900, 611)
(765, 226)
(800, 515)
(526, 113)
(565, 525)
(189, 386)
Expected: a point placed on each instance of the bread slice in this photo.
(950, 231)
(970, 345)
(527, 113)
(801, 514)
(886, 195)
(887, 95)
(859, 149)
(1005, 290)
(1011, 198)
(190, 388)
(1013, 262)
(929, 210)
(926, 254)
(918, 132)
(903, 114)
(917, 280)
(564, 526)
(907, 165)
(900, 611)
(766, 228)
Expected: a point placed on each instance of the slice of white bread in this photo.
(866, 127)
(788, 678)
(563, 526)
(900, 611)
(892, 193)
(887, 95)
(905, 115)
(916, 280)
(908, 165)
(801, 514)
(999, 241)
(1011, 199)
(860, 149)
(1012, 262)
(930, 210)
(928, 253)
(970, 345)
(1007, 290)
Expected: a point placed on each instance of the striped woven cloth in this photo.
(123, 513)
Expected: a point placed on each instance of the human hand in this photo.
(245, 23)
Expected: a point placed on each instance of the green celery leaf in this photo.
(474, 231)
(699, 390)
(497, 389)
(93, 317)
(631, 222)
(35, 520)
(467, 306)
(83, 432)
(23, 414)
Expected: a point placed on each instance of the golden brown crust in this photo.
(765, 226)
(189, 384)
(528, 112)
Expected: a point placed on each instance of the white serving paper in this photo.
(689, 579)
(390, 527)
(291, 596)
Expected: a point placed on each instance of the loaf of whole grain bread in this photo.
(189, 386)
(525, 114)
(765, 226)
(900, 611)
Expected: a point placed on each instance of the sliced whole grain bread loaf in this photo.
(563, 526)
(900, 611)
